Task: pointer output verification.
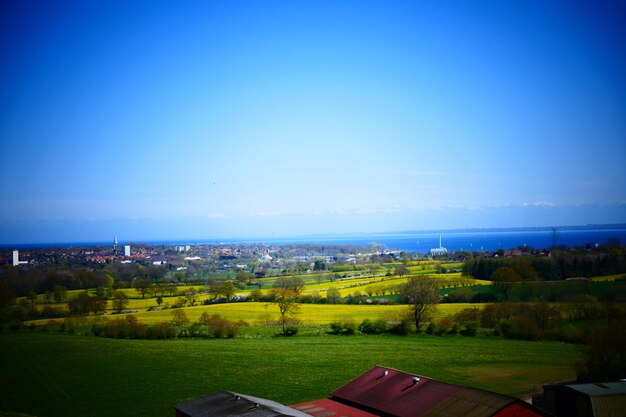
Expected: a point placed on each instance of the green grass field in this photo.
(63, 375)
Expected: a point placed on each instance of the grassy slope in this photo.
(60, 375)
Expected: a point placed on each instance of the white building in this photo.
(16, 259)
(265, 258)
(440, 250)
(126, 250)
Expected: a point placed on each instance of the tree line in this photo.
(560, 264)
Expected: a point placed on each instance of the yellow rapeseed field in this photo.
(260, 313)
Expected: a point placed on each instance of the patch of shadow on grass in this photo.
(520, 381)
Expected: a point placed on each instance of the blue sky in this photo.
(221, 119)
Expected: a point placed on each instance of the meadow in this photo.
(49, 374)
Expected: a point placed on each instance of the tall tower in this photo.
(126, 250)
(115, 244)
(16, 258)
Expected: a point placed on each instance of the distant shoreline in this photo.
(611, 226)
(310, 239)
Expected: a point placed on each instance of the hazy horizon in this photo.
(205, 120)
(122, 239)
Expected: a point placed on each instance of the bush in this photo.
(233, 329)
(161, 331)
(467, 315)
(335, 327)
(445, 325)
(97, 329)
(51, 325)
(16, 325)
(291, 331)
(470, 329)
(373, 327)
(604, 358)
(431, 328)
(502, 327)
(218, 327)
(401, 328)
(51, 312)
(523, 328)
(345, 328)
(125, 328)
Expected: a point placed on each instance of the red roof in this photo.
(518, 410)
(329, 408)
(395, 392)
(387, 391)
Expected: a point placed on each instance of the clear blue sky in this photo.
(221, 119)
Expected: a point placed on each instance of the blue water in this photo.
(471, 241)
(420, 242)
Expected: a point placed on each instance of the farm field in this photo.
(253, 312)
(608, 277)
(60, 375)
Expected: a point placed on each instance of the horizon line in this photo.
(261, 239)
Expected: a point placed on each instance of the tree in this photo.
(213, 289)
(504, 278)
(401, 270)
(32, 297)
(604, 358)
(295, 284)
(103, 279)
(333, 296)
(142, 286)
(421, 295)
(120, 301)
(7, 296)
(227, 289)
(190, 296)
(97, 304)
(59, 293)
(242, 276)
(286, 300)
(168, 288)
(48, 297)
(179, 318)
(84, 304)
(255, 295)
(319, 265)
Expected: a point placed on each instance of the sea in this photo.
(419, 242)
(470, 241)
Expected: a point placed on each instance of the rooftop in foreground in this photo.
(379, 392)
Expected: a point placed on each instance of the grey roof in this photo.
(600, 389)
(226, 403)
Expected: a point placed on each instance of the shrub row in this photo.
(367, 326)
